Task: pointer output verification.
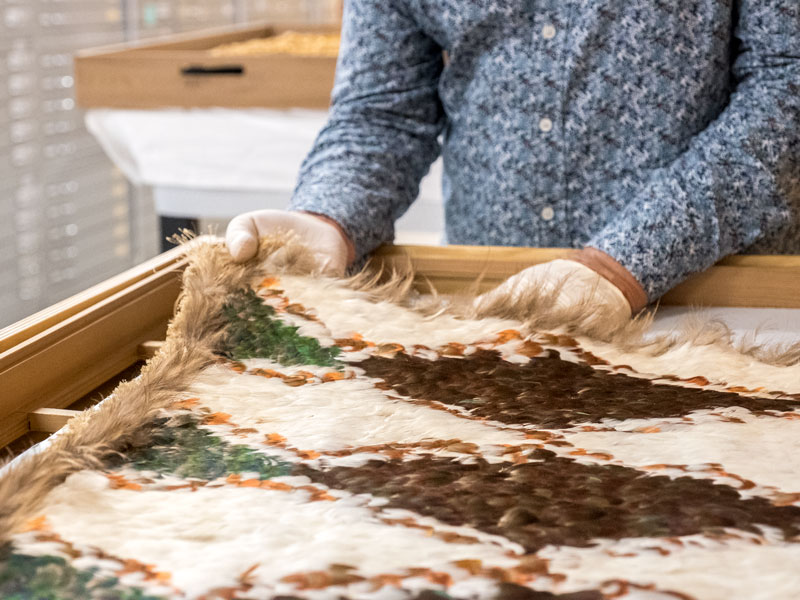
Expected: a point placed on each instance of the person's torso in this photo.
(559, 110)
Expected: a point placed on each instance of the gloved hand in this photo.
(331, 248)
(570, 284)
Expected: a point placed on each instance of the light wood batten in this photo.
(737, 281)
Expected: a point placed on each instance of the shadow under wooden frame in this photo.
(55, 357)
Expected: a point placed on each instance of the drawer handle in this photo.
(217, 70)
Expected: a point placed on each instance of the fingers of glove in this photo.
(533, 280)
(568, 284)
(245, 230)
(325, 241)
(241, 237)
(582, 284)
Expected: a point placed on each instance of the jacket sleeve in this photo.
(738, 182)
(381, 137)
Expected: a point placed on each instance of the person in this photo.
(653, 136)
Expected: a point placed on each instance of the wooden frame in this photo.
(53, 358)
(178, 70)
(736, 281)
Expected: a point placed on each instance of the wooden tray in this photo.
(179, 71)
(55, 357)
(753, 281)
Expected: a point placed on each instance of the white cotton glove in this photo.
(326, 242)
(573, 285)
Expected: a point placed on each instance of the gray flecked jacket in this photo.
(663, 132)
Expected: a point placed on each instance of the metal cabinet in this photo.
(55, 181)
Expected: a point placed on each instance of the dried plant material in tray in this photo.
(288, 42)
